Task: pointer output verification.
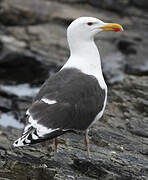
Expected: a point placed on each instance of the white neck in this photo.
(85, 56)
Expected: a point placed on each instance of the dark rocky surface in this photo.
(118, 143)
(33, 46)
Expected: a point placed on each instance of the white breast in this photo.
(86, 58)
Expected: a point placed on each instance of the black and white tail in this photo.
(26, 138)
(33, 136)
(41, 123)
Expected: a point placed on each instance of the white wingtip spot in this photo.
(34, 137)
(48, 101)
(18, 143)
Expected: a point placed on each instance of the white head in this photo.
(84, 53)
(85, 28)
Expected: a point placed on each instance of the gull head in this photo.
(85, 28)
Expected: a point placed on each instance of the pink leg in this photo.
(55, 147)
(86, 141)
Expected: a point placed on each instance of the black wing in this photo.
(69, 100)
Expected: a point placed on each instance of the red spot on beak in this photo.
(117, 29)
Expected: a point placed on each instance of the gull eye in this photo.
(90, 23)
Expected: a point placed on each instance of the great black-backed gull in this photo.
(75, 97)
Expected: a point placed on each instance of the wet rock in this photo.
(136, 67)
(127, 47)
(137, 63)
(18, 65)
(140, 128)
(111, 5)
(50, 41)
(5, 101)
(26, 169)
(21, 71)
(5, 104)
(118, 143)
(13, 109)
(47, 36)
(133, 47)
(113, 67)
(102, 170)
(141, 4)
(19, 12)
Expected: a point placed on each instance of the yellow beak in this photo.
(112, 27)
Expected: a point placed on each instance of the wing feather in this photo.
(70, 100)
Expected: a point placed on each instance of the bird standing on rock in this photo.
(75, 97)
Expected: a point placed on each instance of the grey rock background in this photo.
(33, 46)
